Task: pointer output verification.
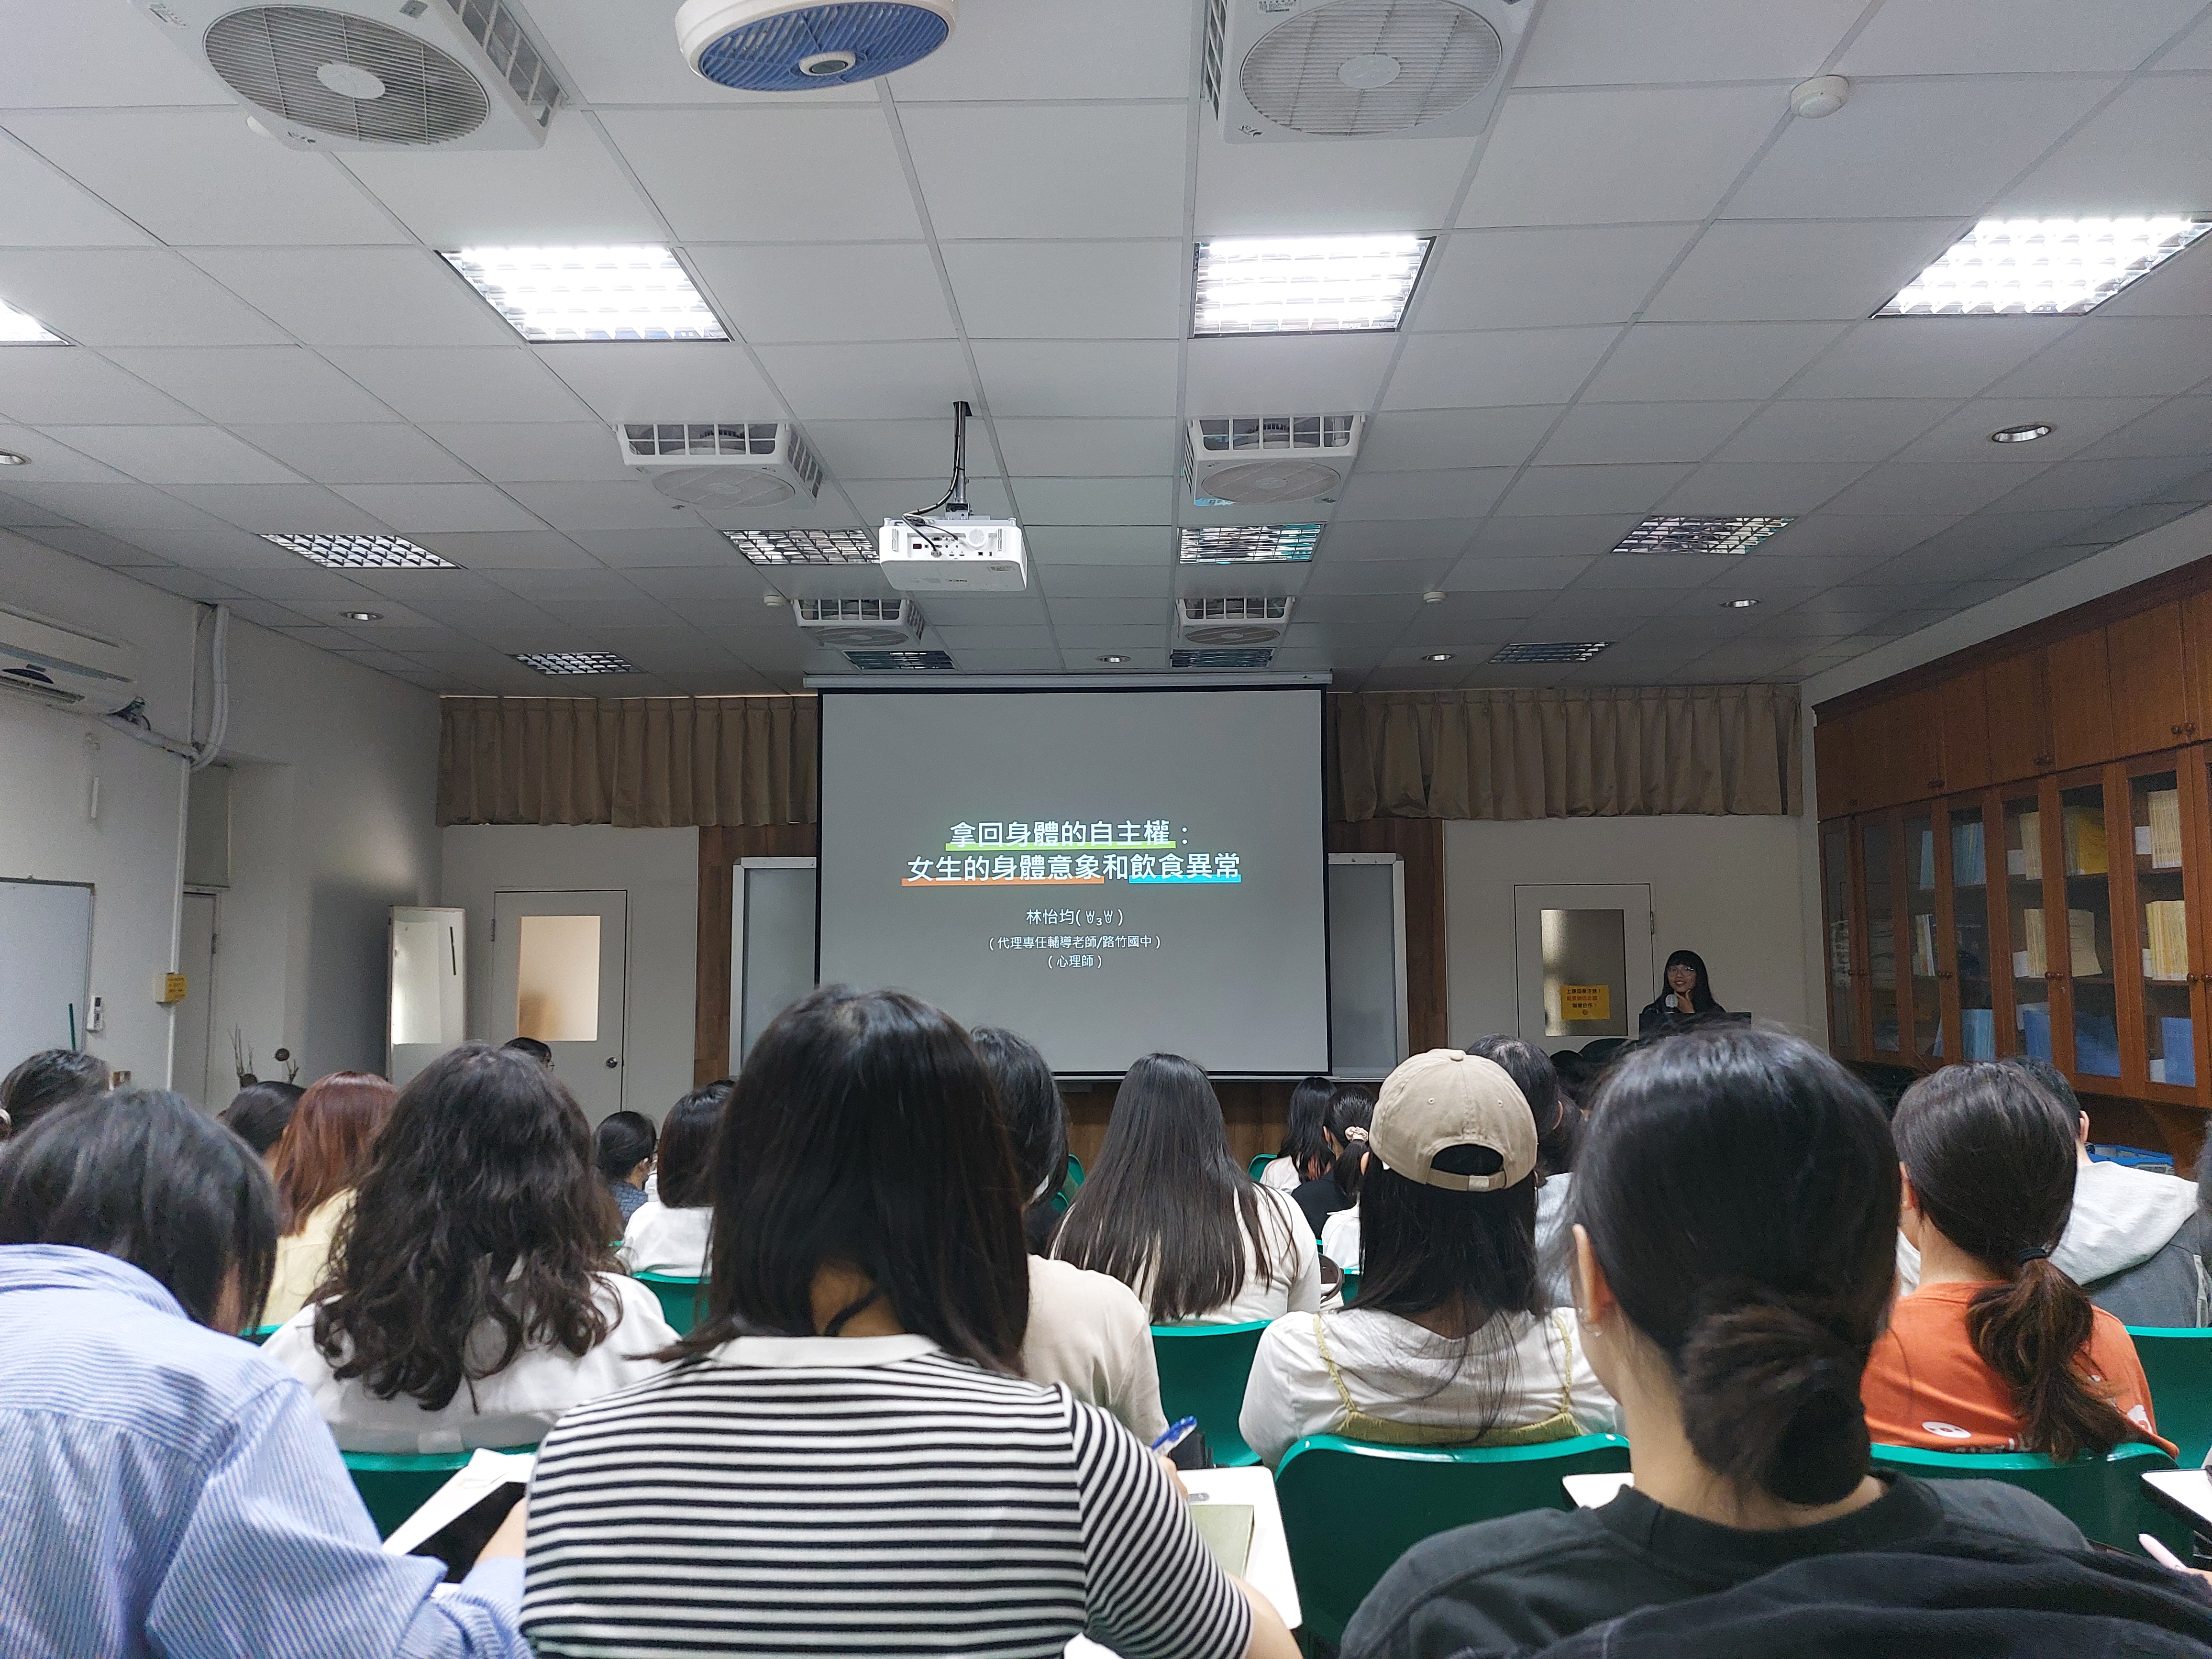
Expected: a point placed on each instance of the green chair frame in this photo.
(394, 1485)
(1349, 1290)
(681, 1300)
(2179, 1363)
(1071, 1182)
(260, 1333)
(2103, 1496)
(1351, 1507)
(1203, 1371)
(1260, 1163)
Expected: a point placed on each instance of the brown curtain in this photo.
(646, 762)
(1528, 754)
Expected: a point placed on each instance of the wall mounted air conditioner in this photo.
(723, 463)
(866, 624)
(1235, 621)
(1261, 461)
(349, 75)
(1292, 70)
(64, 665)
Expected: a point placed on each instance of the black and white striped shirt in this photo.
(862, 1496)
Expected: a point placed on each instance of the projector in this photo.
(953, 556)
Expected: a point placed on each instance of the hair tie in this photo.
(1355, 1133)
(2026, 1256)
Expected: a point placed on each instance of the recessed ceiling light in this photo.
(1240, 543)
(805, 546)
(21, 328)
(364, 615)
(1552, 650)
(1434, 596)
(2042, 267)
(362, 552)
(624, 293)
(1220, 658)
(2021, 434)
(576, 662)
(10, 458)
(878, 661)
(1737, 604)
(1681, 535)
(1113, 656)
(1305, 284)
(1437, 656)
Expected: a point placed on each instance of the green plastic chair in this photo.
(394, 1485)
(1203, 1370)
(2103, 1496)
(1349, 1290)
(1259, 1165)
(681, 1300)
(1351, 1509)
(2179, 1363)
(260, 1333)
(1071, 1182)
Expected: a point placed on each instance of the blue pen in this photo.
(1176, 1431)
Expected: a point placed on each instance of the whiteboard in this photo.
(771, 944)
(45, 966)
(1367, 1023)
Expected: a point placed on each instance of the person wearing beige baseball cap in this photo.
(1452, 1340)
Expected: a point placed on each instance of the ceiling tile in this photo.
(1418, 439)
(1095, 500)
(2182, 286)
(2100, 484)
(619, 504)
(1836, 429)
(218, 546)
(1106, 581)
(1917, 487)
(1618, 156)
(2143, 153)
(1828, 534)
(1722, 488)
(387, 454)
(1077, 377)
(76, 56)
(1633, 574)
(899, 449)
(122, 508)
(100, 547)
(571, 452)
(2181, 427)
(444, 384)
(1532, 278)
(1059, 49)
(1838, 270)
(1378, 575)
(1927, 356)
(719, 174)
(1060, 290)
(2117, 357)
(1327, 189)
(1643, 432)
(1040, 171)
(1101, 544)
(200, 176)
(237, 385)
(1076, 447)
(827, 291)
(46, 208)
(1288, 374)
(1626, 42)
(1498, 366)
(870, 382)
(689, 545)
(2007, 37)
(179, 454)
(1563, 536)
(1396, 539)
(2076, 423)
(1663, 360)
(128, 296)
(1478, 573)
(661, 380)
(1460, 493)
(53, 460)
(511, 549)
(1569, 490)
(570, 191)
(281, 508)
(53, 386)
(877, 499)
(358, 297)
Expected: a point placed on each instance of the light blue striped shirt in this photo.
(166, 1490)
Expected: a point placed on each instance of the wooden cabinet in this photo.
(2150, 681)
(2016, 692)
(1843, 748)
(1963, 712)
(2080, 700)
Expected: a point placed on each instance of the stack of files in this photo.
(1968, 864)
(2177, 1036)
(2166, 934)
(2026, 858)
(2096, 1044)
(2081, 942)
(1981, 1033)
(1923, 875)
(2165, 849)
(2084, 827)
(1923, 946)
(2033, 960)
(2034, 1028)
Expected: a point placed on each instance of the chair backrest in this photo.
(681, 1300)
(1258, 1166)
(1351, 1509)
(1350, 1288)
(2103, 1496)
(2179, 1363)
(260, 1333)
(1203, 1368)
(394, 1485)
(1074, 1177)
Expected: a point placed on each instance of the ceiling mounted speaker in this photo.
(1277, 70)
(773, 45)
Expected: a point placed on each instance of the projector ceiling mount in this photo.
(945, 545)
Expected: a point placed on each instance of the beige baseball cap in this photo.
(1446, 1097)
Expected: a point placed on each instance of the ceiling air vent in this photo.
(1234, 621)
(1260, 461)
(1220, 658)
(723, 463)
(844, 624)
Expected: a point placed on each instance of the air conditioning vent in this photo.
(1220, 658)
(723, 463)
(847, 625)
(1290, 69)
(1233, 621)
(59, 663)
(1261, 460)
(365, 74)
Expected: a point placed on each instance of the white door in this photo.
(430, 969)
(1584, 955)
(558, 967)
(192, 1037)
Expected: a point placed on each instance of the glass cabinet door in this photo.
(2162, 913)
(1836, 908)
(1884, 1035)
(2032, 973)
(1970, 933)
(2082, 947)
(1921, 941)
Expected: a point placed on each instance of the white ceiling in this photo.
(1649, 294)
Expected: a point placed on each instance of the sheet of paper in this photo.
(1268, 1568)
(1227, 1529)
(475, 1481)
(1595, 1491)
(2190, 1489)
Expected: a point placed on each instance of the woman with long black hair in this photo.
(1304, 1152)
(1687, 998)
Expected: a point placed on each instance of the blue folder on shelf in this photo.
(2176, 1035)
(2096, 1044)
(1981, 1032)
(2034, 1028)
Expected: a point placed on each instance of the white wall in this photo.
(1728, 888)
(658, 869)
(334, 820)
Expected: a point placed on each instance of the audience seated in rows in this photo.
(1086, 1331)
(1452, 1341)
(845, 1457)
(1304, 1149)
(1735, 1201)
(1168, 1212)
(316, 1163)
(472, 1297)
(1997, 1349)
(170, 1491)
(258, 1112)
(622, 1147)
(46, 1081)
(1344, 1130)
(667, 1233)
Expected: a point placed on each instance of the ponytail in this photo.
(2030, 1332)
(1770, 1391)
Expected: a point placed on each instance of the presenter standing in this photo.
(1687, 999)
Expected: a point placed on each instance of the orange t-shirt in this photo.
(1925, 1385)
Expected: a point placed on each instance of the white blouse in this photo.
(662, 1240)
(1297, 1287)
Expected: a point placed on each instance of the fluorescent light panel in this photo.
(1552, 650)
(2042, 267)
(1305, 284)
(551, 294)
(1242, 544)
(576, 662)
(805, 546)
(1220, 658)
(362, 552)
(1681, 535)
(21, 328)
(879, 660)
